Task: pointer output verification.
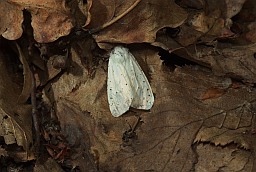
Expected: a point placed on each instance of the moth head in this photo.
(119, 54)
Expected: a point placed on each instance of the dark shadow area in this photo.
(173, 60)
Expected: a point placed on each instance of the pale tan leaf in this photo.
(49, 25)
(50, 19)
(11, 20)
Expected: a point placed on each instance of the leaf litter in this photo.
(203, 117)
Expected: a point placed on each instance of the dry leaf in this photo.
(50, 19)
(11, 20)
(77, 131)
(237, 62)
(100, 12)
(3, 152)
(212, 93)
(213, 158)
(200, 31)
(168, 130)
(223, 137)
(27, 86)
(251, 34)
(48, 165)
(140, 24)
(15, 119)
(233, 7)
(49, 25)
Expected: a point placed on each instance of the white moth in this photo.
(127, 84)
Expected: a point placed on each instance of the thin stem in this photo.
(115, 19)
(34, 113)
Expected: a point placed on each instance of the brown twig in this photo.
(127, 135)
(115, 19)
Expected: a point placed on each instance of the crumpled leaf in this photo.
(76, 80)
(237, 62)
(3, 152)
(233, 7)
(11, 20)
(48, 165)
(78, 135)
(178, 119)
(223, 137)
(15, 119)
(50, 19)
(140, 24)
(236, 125)
(213, 22)
(213, 158)
(228, 8)
(200, 39)
(168, 130)
(211, 25)
(50, 25)
(251, 34)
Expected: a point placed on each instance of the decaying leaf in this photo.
(51, 24)
(223, 136)
(251, 34)
(27, 86)
(50, 19)
(167, 130)
(235, 126)
(3, 152)
(99, 12)
(79, 135)
(237, 62)
(213, 158)
(201, 40)
(140, 24)
(212, 93)
(193, 53)
(15, 119)
(211, 25)
(49, 165)
(11, 20)
(233, 7)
